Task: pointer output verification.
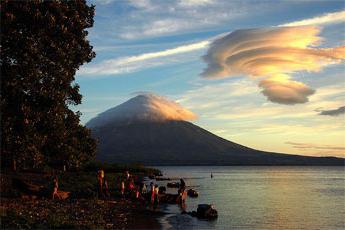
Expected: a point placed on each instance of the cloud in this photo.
(273, 54)
(151, 59)
(102, 2)
(287, 92)
(299, 145)
(133, 63)
(161, 18)
(194, 3)
(333, 112)
(329, 18)
(148, 107)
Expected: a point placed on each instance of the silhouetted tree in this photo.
(43, 43)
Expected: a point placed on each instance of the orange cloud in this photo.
(285, 92)
(144, 107)
(274, 54)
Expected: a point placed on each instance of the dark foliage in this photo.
(43, 43)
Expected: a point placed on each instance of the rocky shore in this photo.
(75, 214)
(83, 209)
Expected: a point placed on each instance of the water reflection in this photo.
(264, 197)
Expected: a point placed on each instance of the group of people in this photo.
(128, 186)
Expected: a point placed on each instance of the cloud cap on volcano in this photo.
(144, 107)
(274, 54)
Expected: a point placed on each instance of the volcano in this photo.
(153, 130)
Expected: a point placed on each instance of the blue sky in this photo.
(157, 46)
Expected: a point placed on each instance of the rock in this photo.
(206, 211)
(28, 188)
(63, 195)
(173, 185)
(162, 190)
(192, 193)
(162, 178)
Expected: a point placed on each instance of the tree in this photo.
(43, 43)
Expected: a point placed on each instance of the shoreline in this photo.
(80, 211)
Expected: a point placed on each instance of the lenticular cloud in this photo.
(273, 54)
(144, 107)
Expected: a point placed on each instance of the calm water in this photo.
(261, 197)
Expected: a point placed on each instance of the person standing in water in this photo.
(211, 175)
(152, 192)
(182, 184)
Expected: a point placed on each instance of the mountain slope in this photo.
(182, 143)
(152, 130)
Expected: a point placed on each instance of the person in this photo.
(182, 184)
(137, 192)
(152, 191)
(144, 189)
(106, 188)
(131, 185)
(100, 176)
(156, 194)
(55, 189)
(211, 175)
(122, 188)
(127, 175)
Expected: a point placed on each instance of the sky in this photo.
(265, 74)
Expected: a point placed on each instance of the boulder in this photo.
(173, 185)
(63, 195)
(206, 211)
(162, 190)
(162, 178)
(27, 188)
(192, 193)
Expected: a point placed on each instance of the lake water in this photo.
(261, 197)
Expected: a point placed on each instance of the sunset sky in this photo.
(265, 74)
